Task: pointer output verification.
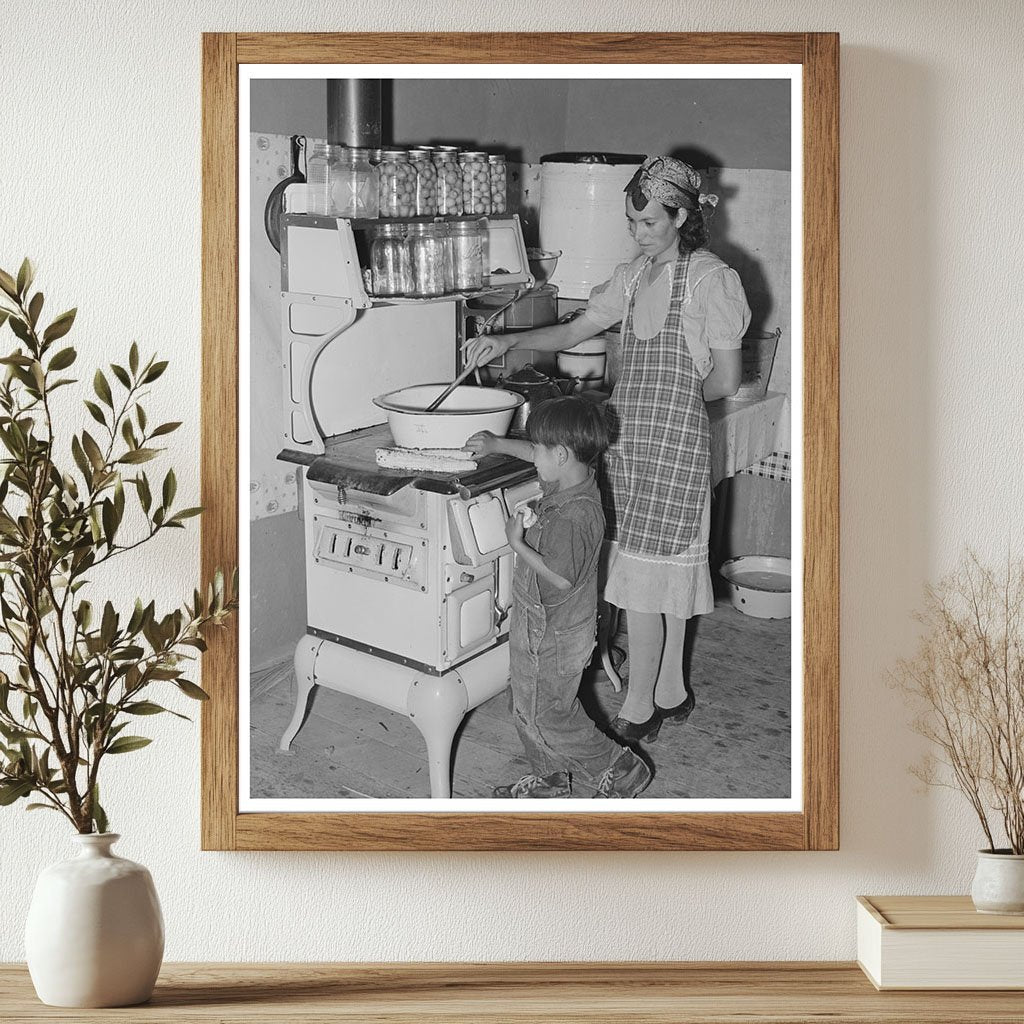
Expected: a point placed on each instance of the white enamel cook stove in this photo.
(408, 584)
(408, 575)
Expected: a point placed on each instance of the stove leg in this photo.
(436, 707)
(305, 659)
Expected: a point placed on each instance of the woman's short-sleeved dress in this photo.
(714, 315)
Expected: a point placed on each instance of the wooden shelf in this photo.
(658, 993)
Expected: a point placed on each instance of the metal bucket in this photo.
(758, 356)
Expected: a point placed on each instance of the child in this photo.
(554, 607)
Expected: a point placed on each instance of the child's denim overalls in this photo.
(550, 647)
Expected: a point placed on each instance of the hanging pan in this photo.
(275, 201)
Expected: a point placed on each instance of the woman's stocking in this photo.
(670, 688)
(646, 637)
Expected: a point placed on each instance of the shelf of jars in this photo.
(397, 182)
(405, 300)
(386, 262)
(417, 216)
(376, 303)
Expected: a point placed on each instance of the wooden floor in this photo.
(735, 744)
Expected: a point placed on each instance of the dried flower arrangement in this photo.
(967, 679)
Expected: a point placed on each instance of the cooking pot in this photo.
(585, 360)
(535, 387)
(522, 311)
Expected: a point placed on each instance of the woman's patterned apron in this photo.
(658, 467)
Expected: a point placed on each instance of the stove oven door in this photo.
(479, 546)
(478, 524)
(471, 616)
(478, 528)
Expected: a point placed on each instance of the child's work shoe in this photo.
(536, 787)
(629, 776)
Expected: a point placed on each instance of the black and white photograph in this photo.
(520, 380)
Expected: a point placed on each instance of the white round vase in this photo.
(95, 933)
(998, 886)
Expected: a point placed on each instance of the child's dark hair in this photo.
(572, 421)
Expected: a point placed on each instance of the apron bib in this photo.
(658, 467)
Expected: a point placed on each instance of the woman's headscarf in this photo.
(670, 182)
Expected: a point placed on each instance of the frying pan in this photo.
(275, 201)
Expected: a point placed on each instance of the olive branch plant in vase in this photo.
(75, 671)
(966, 681)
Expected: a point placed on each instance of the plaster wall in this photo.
(101, 185)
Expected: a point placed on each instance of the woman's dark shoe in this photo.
(679, 713)
(636, 732)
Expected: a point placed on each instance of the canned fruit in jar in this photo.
(449, 189)
(426, 183)
(449, 181)
(476, 183)
(498, 183)
(397, 185)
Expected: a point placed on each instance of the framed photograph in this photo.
(590, 600)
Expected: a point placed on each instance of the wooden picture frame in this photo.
(816, 826)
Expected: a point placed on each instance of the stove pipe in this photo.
(353, 112)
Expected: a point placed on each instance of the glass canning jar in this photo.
(321, 170)
(389, 261)
(468, 238)
(443, 229)
(397, 184)
(422, 158)
(426, 258)
(499, 183)
(449, 181)
(476, 183)
(354, 187)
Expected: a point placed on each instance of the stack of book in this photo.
(938, 942)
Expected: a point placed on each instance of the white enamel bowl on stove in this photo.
(465, 411)
(759, 585)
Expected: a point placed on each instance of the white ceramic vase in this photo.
(999, 883)
(95, 933)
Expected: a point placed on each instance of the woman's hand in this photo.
(486, 348)
(483, 442)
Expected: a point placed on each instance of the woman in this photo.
(683, 315)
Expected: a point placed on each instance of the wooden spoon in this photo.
(451, 387)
